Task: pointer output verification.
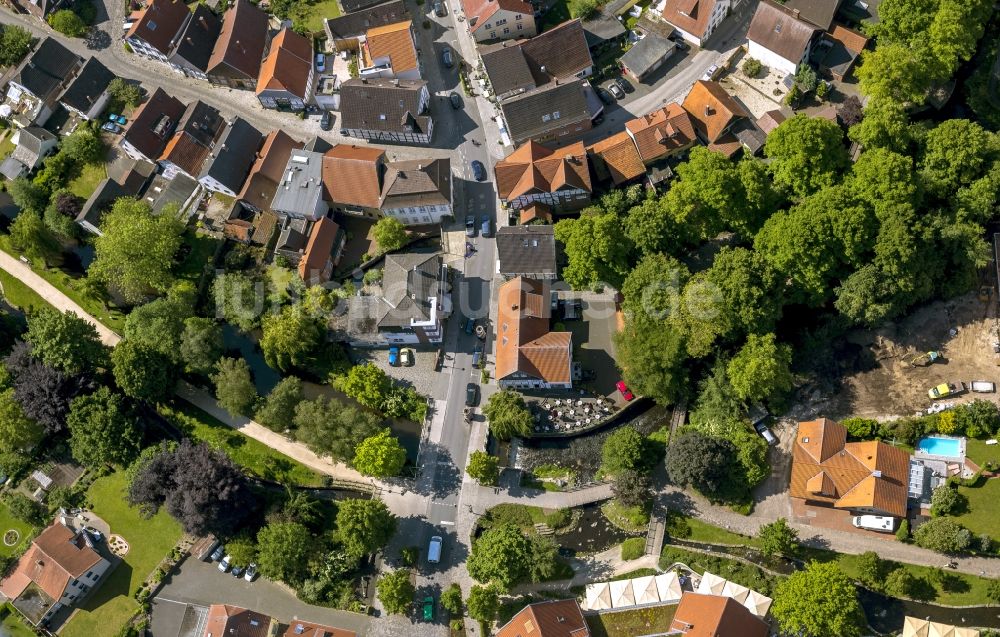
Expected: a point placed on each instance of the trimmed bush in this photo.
(752, 67)
(633, 548)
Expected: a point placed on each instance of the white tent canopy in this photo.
(757, 604)
(711, 584)
(644, 589)
(598, 596)
(668, 587)
(736, 591)
(621, 593)
(914, 627)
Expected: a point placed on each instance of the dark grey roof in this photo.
(749, 135)
(818, 12)
(838, 58)
(88, 86)
(202, 122)
(12, 168)
(109, 190)
(383, 105)
(647, 53)
(317, 145)
(234, 154)
(526, 250)
(29, 144)
(163, 192)
(350, 6)
(525, 113)
(355, 24)
(302, 184)
(507, 69)
(417, 183)
(409, 282)
(44, 70)
(602, 28)
(197, 40)
(294, 235)
(559, 53)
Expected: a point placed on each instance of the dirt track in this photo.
(889, 386)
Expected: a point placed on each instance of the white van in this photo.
(881, 523)
(434, 550)
(982, 386)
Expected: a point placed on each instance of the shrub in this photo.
(946, 501)
(633, 548)
(860, 428)
(752, 67)
(409, 555)
(903, 532)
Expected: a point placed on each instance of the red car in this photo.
(623, 388)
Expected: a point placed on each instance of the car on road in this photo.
(405, 358)
(429, 608)
(469, 326)
(434, 549)
(478, 170)
(605, 96)
(251, 572)
(326, 122)
(439, 9)
(111, 127)
(616, 89)
(394, 356)
(485, 227)
(470, 226)
(624, 390)
(765, 433)
(218, 553)
(224, 564)
(710, 73)
(471, 395)
(456, 101)
(446, 57)
(320, 62)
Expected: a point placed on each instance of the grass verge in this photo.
(7, 523)
(18, 294)
(981, 516)
(633, 519)
(525, 517)
(87, 181)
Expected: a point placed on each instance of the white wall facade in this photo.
(506, 25)
(772, 60)
(418, 215)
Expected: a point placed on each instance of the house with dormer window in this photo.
(536, 174)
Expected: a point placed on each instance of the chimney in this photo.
(543, 69)
(708, 110)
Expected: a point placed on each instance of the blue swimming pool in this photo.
(935, 446)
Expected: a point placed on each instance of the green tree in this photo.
(777, 538)
(101, 431)
(15, 42)
(390, 234)
(749, 299)
(703, 462)
(290, 339)
(330, 427)
(23, 508)
(956, 29)
(626, 450)
(885, 125)
(27, 195)
(507, 414)
(201, 344)
(501, 555)
(278, 410)
(946, 501)
(127, 93)
(483, 603)
(396, 592)
(818, 602)
(68, 23)
(242, 551)
(364, 526)
(993, 591)
(367, 384)
(943, 535)
(957, 152)
(64, 341)
(652, 358)
(83, 146)
(17, 431)
(238, 300)
(761, 369)
(597, 250)
(484, 468)
(871, 570)
(59, 216)
(451, 599)
(234, 386)
(900, 582)
(894, 71)
(284, 550)
(143, 373)
(807, 154)
(159, 324)
(29, 234)
(380, 455)
(135, 252)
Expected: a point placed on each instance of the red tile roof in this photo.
(287, 65)
(351, 175)
(617, 155)
(318, 250)
(712, 109)
(259, 188)
(57, 556)
(690, 15)
(700, 615)
(536, 168)
(524, 342)
(308, 629)
(232, 621)
(478, 12)
(661, 132)
(159, 23)
(561, 618)
(241, 42)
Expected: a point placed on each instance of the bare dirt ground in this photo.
(887, 385)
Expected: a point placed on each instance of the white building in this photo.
(779, 38)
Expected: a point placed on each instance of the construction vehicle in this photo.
(944, 390)
(923, 359)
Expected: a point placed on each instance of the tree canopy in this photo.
(291, 338)
(501, 555)
(364, 526)
(807, 154)
(395, 590)
(143, 373)
(278, 409)
(390, 234)
(818, 601)
(234, 386)
(380, 455)
(15, 42)
(283, 551)
(64, 341)
(17, 431)
(102, 431)
(330, 427)
(507, 414)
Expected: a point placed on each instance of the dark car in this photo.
(111, 127)
(446, 58)
(470, 325)
(616, 90)
(471, 395)
(605, 96)
(478, 170)
(326, 122)
(485, 227)
(678, 39)
(439, 10)
(625, 85)
(456, 101)
(470, 226)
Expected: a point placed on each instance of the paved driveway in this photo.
(201, 584)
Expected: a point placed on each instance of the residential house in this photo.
(152, 126)
(647, 55)
(249, 226)
(237, 54)
(227, 166)
(352, 6)
(696, 20)
(39, 8)
(868, 477)
(34, 87)
(317, 145)
(195, 43)
(390, 51)
(539, 84)
(226, 620)
(664, 133)
(616, 159)
(31, 145)
(58, 570)
(87, 95)
(700, 615)
(535, 213)
(299, 628)
(603, 32)
(195, 135)
(770, 120)
(817, 12)
(286, 75)
(155, 33)
(558, 618)
(492, 20)
(386, 110)
(417, 192)
(713, 112)
(180, 193)
(917, 627)
(778, 38)
(840, 50)
(109, 190)
(346, 31)
(528, 251)
(352, 179)
(267, 171)
(528, 354)
(292, 239)
(535, 173)
(322, 252)
(413, 304)
(300, 192)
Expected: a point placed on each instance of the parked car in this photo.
(765, 433)
(394, 356)
(446, 58)
(429, 608)
(624, 390)
(114, 118)
(485, 227)
(434, 550)
(471, 395)
(111, 127)
(439, 9)
(982, 386)
(470, 226)
(326, 122)
(94, 533)
(217, 553)
(320, 62)
(405, 358)
(477, 356)
(478, 170)
(626, 85)
(605, 96)
(251, 572)
(710, 73)
(681, 44)
(881, 523)
(456, 101)
(470, 326)
(237, 571)
(225, 563)
(616, 90)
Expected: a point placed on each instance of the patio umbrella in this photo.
(644, 589)
(711, 584)
(736, 591)
(668, 587)
(621, 594)
(757, 604)
(598, 596)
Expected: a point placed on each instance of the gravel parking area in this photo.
(420, 374)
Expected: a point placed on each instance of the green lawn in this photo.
(632, 519)
(980, 452)
(13, 626)
(525, 516)
(984, 505)
(311, 14)
(254, 456)
(6, 146)
(18, 294)
(7, 523)
(558, 14)
(629, 623)
(684, 527)
(150, 540)
(958, 589)
(86, 183)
